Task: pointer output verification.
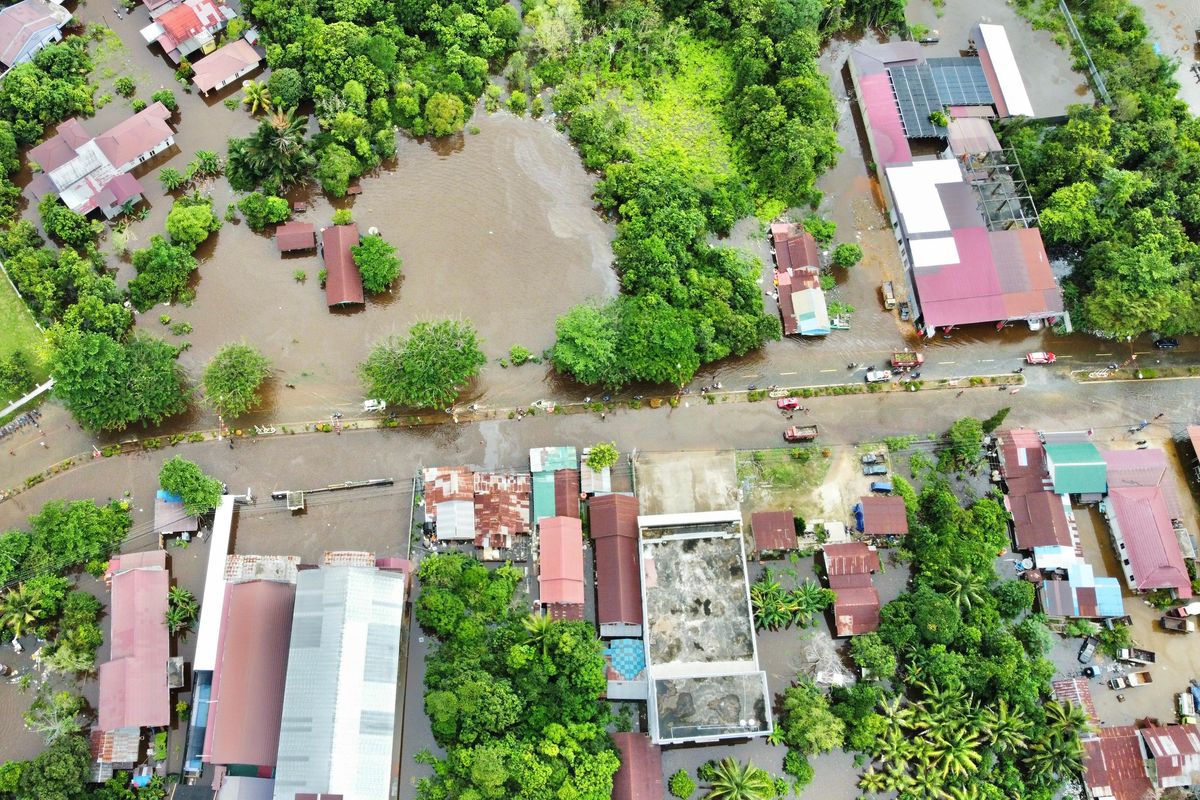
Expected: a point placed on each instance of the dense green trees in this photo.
(200, 493)
(275, 157)
(1117, 188)
(163, 270)
(969, 716)
(47, 90)
(377, 263)
(191, 220)
(261, 210)
(426, 369)
(233, 378)
(109, 385)
(513, 699)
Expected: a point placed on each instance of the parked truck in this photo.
(889, 296)
(907, 358)
(800, 433)
(1135, 655)
(1178, 624)
(1131, 680)
(879, 376)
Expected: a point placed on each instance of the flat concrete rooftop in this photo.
(682, 483)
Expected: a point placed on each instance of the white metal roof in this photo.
(914, 187)
(212, 609)
(456, 520)
(1008, 75)
(934, 252)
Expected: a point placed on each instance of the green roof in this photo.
(543, 496)
(1077, 468)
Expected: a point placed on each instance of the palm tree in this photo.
(256, 95)
(962, 586)
(956, 752)
(1056, 756)
(1004, 727)
(873, 781)
(19, 609)
(1066, 717)
(733, 780)
(969, 791)
(537, 630)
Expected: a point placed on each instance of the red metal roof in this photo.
(1039, 519)
(640, 776)
(613, 515)
(854, 558)
(1150, 543)
(882, 120)
(884, 516)
(560, 564)
(133, 683)
(1113, 765)
(1175, 750)
(501, 508)
(138, 134)
(774, 530)
(343, 283)
(1077, 691)
(856, 610)
(566, 492)
(794, 246)
(1142, 468)
(247, 687)
(223, 64)
(60, 148)
(295, 236)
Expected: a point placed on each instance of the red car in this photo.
(788, 403)
(1040, 358)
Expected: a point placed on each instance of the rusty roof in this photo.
(774, 530)
(447, 483)
(640, 776)
(884, 516)
(1113, 765)
(613, 515)
(247, 684)
(1079, 692)
(566, 492)
(1176, 753)
(295, 236)
(343, 283)
(854, 558)
(1039, 519)
(856, 610)
(501, 507)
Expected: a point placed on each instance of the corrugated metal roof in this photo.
(1144, 525)
(566, 493)
(343, 283)
(856, 610)
(972, 135)
(1113, 765)
(224, 63)
(618, 581)
(882, 118)
(774, 530)
(247, 685)
(1000, 66)
(169, 516)
(640, 776)
(20, 22)
(1076, 468)
(884, 516)
(142, 132)
(853, 558)
(613, 515)
(133, 683)
(1175, 751)
(295, 236)
(339, 703)
(560, 562)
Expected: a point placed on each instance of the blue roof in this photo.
(628, 657)
(163, 494)
(1108, 598)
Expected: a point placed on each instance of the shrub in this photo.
(682, 785)
(138, 105)
(342, 216)
(518, 355)
(167, 98)
(124, 86)
(517, 102)
(847, 254)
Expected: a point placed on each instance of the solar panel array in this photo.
(925, 88)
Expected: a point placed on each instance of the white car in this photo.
(879, 376)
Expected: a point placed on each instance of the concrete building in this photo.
(28, 26)
(704, 680)
(337, 735)
(187, 27)
(91, 172)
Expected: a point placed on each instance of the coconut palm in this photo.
(1006, 728)
(256, 95)
(1065, 717)
(733, 780)
(1056, 756)
(969, 791)
(962, 586)
(873, 781)
(537, 630)
(956, 752)
(19, 609)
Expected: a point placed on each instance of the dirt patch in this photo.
(794, 479)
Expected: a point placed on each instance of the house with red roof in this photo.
(614, 530)
(134, 691)
(640, 776)
(1172, 755)
(190, 26)
(225, 65)
(1142, 510)
(881, 515)
(91, 172)
(774, 532)
(343, 282)
(1039, 516)
(1113, 766)
(560, 567)
(848, 568)
(246, 703)
(28, 26)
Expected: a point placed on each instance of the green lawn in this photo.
(18, 332)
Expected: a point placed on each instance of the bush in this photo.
(682, 785)
(124, 86)
(517, 102)
(262, 209)
(190, 221)
(518, 355)
(286, 87)
(342, 216)
(376, 261)
(847, 254)
(823, 230)
(167, 98)
(138, 105)
(16, 377)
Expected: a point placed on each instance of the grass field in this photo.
(18, 332)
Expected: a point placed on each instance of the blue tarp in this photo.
(859, 522)
(163, 494)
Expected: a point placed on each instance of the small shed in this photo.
(169, 516)
(343, 283)
(640, 776)
(293, 236)
(774, 531)
(877, 515)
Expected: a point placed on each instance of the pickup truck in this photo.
(879, 376)
(881, 487)
(870, 458)
(1135, 655)
(889, 296)
(1178, 624)
(875, 469)
(1131, 680)
(1088, 650)
(800, 433)
(907, 358)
